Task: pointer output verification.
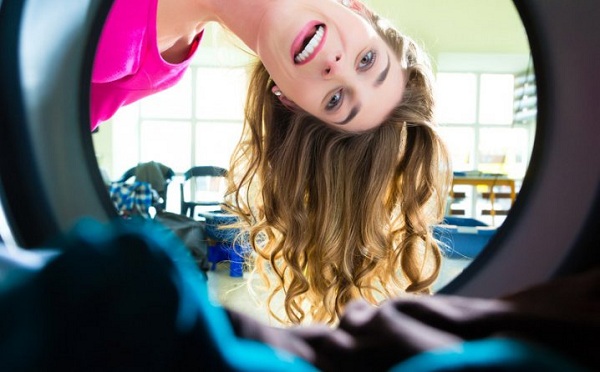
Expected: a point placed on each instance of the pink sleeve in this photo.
(120, 44)
(128, 65)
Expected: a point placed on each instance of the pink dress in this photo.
(128, 65)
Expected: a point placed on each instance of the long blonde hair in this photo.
(335, 215)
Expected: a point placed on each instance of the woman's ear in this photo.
(283, 99)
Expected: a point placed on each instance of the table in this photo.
(490, 182)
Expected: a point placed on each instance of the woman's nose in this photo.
(332, 66)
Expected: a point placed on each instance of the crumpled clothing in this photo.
(155, 173)
(122, 297)
(133, 198)
(549, 327)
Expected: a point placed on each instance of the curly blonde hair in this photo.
(335, 215)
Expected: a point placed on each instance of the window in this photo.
(196, 122)
(476, 115)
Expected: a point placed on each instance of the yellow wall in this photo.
(458, 26)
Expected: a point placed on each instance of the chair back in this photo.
(203, 186)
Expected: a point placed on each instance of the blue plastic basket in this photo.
(463, 237)
(226, 246)
(215, 221)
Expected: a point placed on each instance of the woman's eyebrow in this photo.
(383, 75)
(350, 116)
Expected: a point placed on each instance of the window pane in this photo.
(167, 142)
(125, 141)
(215, 143)
(220, 93)
(496, 99)
(461, 145)
(504, 151)
(172, 103)
(456, 95)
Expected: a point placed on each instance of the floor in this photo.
(244, 294)
(241, 294)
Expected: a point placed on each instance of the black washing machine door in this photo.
(49, 177)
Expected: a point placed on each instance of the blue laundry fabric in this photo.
(123, 297)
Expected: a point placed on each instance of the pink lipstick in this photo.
(309, 41)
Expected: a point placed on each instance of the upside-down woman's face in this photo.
(330, 62)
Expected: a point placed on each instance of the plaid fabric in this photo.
(133, 198)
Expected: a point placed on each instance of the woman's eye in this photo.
(334, 101)
(367, 60)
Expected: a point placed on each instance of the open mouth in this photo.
(310, 45)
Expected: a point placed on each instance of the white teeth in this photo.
(310, 47)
